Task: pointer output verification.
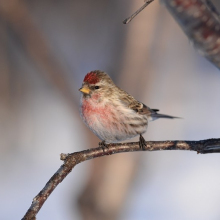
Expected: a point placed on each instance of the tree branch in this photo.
(71, 160)
(200, 21)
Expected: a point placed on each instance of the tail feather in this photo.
(157, 116)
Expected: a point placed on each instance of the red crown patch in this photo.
(91, 78)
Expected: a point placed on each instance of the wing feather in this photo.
(130, 102)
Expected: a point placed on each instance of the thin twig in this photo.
(71, 160)
(127, 20)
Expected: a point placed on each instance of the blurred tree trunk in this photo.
(5, 86)
(111, 177)
(34, 43)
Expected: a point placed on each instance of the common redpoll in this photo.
(111, 113)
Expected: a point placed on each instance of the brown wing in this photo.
(141, 108)
(137, 106)
(144, 110)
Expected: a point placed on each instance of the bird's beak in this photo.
(85, 90)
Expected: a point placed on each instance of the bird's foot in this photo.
(103, 145)
(142, 142)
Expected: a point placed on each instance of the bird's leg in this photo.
(142, 142)
(103, 145)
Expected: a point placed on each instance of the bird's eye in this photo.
(96, 87)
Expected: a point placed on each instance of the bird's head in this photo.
(96, 84)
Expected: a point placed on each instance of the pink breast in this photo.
(96, 114)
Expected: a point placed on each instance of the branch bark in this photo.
(71, 160)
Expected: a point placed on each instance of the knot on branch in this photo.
(63, 156)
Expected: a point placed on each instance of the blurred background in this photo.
(46, 48)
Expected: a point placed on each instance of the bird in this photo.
(111, 113)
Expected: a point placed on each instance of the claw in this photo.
(103, 145)
(142, 142)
